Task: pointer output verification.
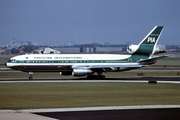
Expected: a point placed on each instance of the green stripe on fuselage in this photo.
(72, 61)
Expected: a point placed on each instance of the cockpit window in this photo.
(12, 60)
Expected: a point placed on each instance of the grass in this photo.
(17, 74)
(168, 62)
(65, 95)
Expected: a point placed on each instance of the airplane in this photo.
(141, 55)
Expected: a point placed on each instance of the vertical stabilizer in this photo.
(148, 44)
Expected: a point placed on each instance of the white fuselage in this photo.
(65, 62)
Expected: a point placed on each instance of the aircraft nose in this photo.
(5, 64)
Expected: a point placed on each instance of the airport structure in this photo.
(87, 48)
(75, 50)
(67, 50)
(108, 49)
(16, 44)
(46, 50)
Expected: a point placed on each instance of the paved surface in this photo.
(140, 114)
(23, 116)
(162, 79)
(145, 112)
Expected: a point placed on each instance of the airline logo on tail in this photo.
(151, 39)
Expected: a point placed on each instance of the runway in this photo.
(148, 112)
(135, 114)
(162, 79)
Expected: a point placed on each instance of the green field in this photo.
(85, 94)
(168, 62)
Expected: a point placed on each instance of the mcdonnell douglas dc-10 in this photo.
(89, 64)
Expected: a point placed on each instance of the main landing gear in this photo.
(96, 77)
(99, 76)
(30, 75)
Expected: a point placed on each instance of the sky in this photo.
(88, 21)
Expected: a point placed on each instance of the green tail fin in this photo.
(148, 44)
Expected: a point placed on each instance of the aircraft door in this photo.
(51, 62)
(130, 60)
(21, 62)
(85, 61)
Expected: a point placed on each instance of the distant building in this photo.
(162, 47)
(107, 44)
(46, 51)
(20, 43)
(108, 49)
(87, 48)
(2, 50)
(68, 50)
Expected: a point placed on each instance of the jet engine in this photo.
(82, 71)
(132, 48)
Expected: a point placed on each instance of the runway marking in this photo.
(50, 81)
(89, 108)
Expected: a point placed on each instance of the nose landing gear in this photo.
(30, 75)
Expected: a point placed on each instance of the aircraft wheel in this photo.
(100, 77)
(89, 76)
(30, 78)
(103, 77)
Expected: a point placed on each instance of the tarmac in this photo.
(23, 116)
(152, 112)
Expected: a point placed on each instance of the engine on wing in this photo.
(133, 48)
(81, 71)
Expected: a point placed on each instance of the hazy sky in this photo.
(88, 21)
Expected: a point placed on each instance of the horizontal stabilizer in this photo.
(151, 60)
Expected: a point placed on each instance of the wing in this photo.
(109, 67)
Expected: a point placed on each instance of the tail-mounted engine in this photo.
(132, 48)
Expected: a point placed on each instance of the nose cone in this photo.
(5, 64)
